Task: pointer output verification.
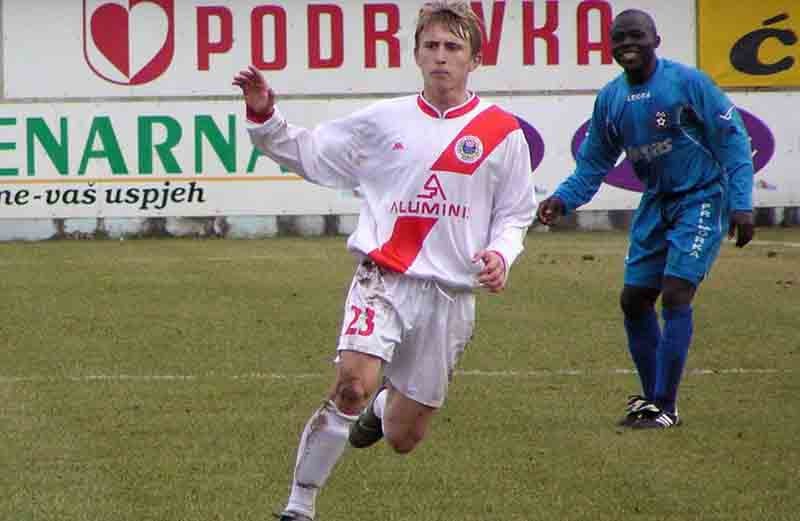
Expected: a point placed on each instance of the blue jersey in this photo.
(678, 129)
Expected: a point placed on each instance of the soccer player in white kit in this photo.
(448, 197)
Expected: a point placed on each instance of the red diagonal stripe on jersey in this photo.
(404, 245)
(490, 126)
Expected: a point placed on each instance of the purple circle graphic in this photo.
(762, 143)
(535, 142)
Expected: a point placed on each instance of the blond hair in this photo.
(457, 16)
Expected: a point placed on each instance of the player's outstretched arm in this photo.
(321, 156)
(258, 96)
(742, 226)
(550, 210)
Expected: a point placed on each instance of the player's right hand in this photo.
(742, 226)
(550, 210)
(260, 98)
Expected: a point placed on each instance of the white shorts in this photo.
(418, 327)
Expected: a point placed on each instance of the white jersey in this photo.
(437, 187)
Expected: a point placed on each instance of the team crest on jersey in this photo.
(469, 149)
(661, 119)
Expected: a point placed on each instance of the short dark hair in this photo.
(651, 24)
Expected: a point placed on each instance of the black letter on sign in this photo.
(744, 54)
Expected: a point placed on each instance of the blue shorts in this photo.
(679, 236)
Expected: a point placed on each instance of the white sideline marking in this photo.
(776, 243)
(539, 373)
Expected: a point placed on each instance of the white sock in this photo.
(321, 445)
(379, 404)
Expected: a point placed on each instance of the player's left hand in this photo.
(742, 225)
(493, 274)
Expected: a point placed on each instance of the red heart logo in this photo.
(141, 56)
(110, 31)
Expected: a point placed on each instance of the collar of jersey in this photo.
(656, 72)
(454, 112)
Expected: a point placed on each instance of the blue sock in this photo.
(644, 336)
(671, 355)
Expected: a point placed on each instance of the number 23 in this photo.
(369, 322)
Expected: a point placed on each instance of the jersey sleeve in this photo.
(329, 155)
(596, 156)
(514, 203)
(727, 137)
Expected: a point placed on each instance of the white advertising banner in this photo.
(60, 49)
(122, 159)
(126, 159)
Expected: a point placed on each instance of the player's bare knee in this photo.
(401, 447)
(637, 302)
(405, 443)
(677, 293)
(632, 307)
(676, 298)
(350, 395)
(402, 440)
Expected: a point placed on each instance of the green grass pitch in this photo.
(168, 380)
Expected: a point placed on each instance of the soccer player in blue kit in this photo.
(690, 149)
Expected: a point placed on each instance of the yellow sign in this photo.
(750, 44)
